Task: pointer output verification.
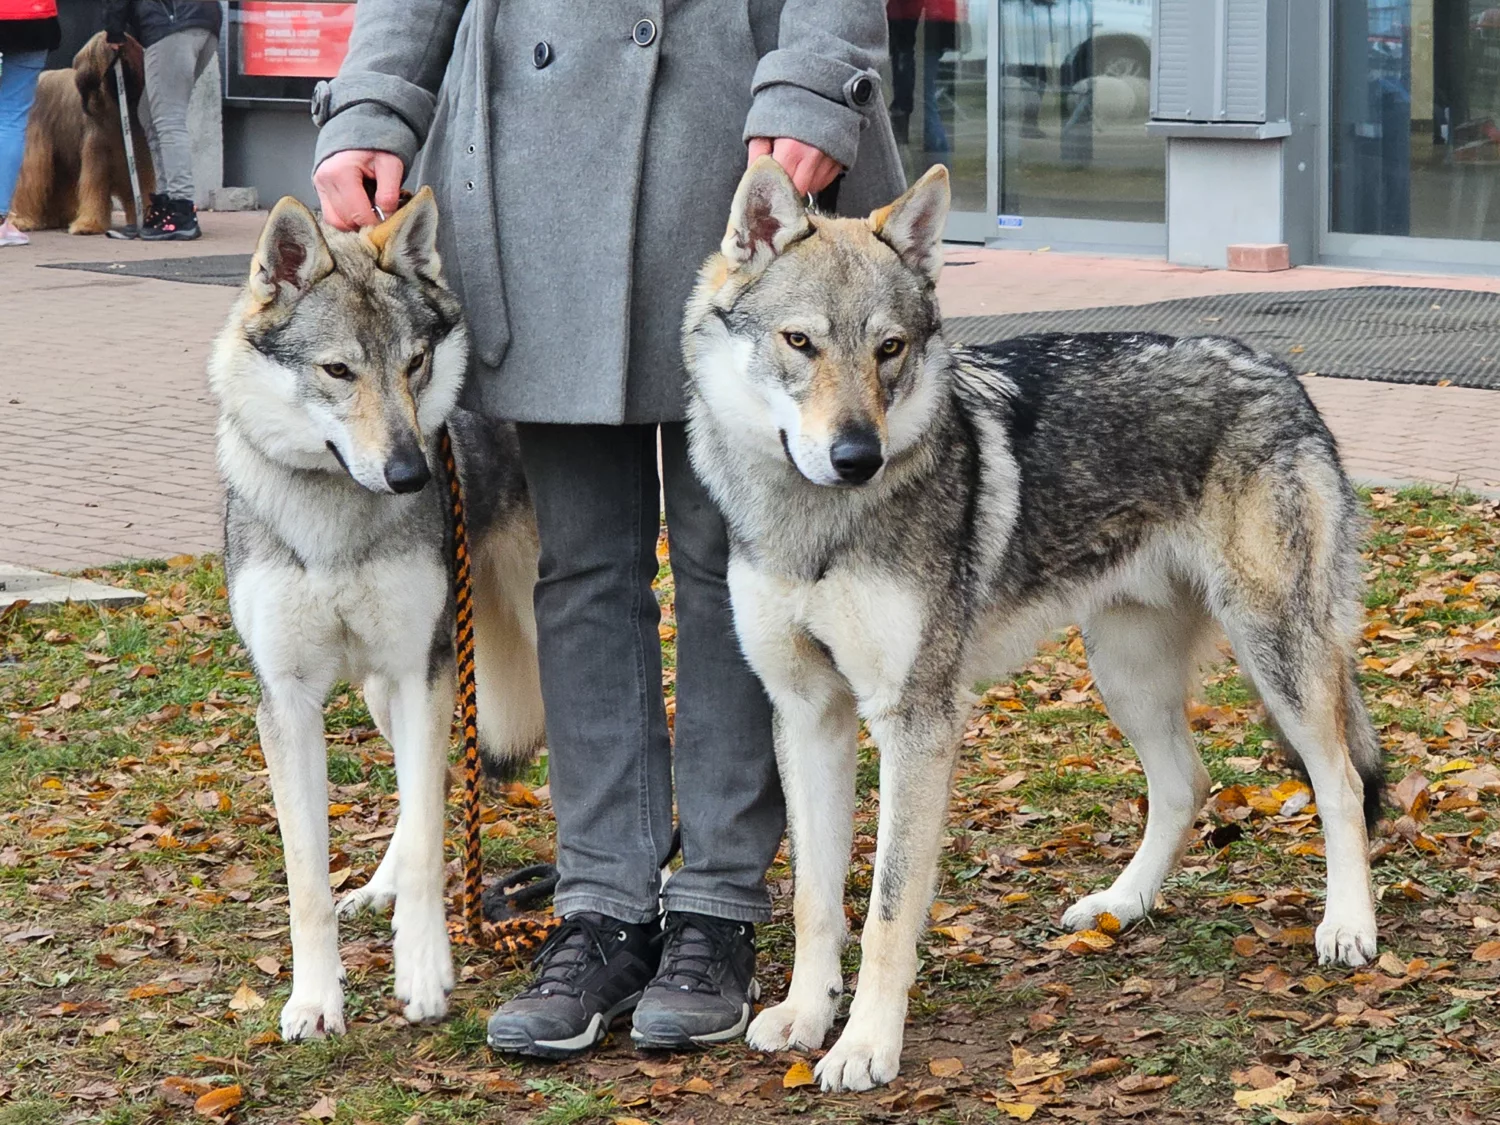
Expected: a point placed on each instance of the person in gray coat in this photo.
(584, 156)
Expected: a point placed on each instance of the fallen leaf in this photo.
(798, 1074)
(945, 1068)
(111, 1025)
(1487, 951)
(182, 1092)
(266, 964)
(216, 1103)
(1249, 1099)
(1146, 1083)
(246, 999)
(1016, 1111)
(324, 1109)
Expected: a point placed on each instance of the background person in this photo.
(584, 156)
(180, 37)
(28, 30)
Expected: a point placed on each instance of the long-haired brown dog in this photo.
(75, 152)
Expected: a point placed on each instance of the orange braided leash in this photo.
(514, 936)
(468, 707)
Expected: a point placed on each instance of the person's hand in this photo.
(811, 169)
(341, 180)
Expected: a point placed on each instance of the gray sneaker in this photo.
(590, 972)
(705, 990)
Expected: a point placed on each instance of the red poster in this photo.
(290, 40)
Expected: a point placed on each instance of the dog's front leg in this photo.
(816, 752)
(421, 715)
(290, 722)
(918, 748)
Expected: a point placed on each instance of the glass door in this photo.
(1039, 109)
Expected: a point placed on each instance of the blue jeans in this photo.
(19, 71)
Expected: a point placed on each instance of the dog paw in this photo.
(1125, 907)
(861, 1059)
(791, 1027)
(424, 971)
(86, 227)
(313, 1012)
(1346, 941)
(374, 895)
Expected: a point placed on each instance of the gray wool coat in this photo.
(584, 155)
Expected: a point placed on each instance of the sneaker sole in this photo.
(711, 1039)
(566, 1048)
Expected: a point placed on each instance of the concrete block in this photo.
(1260, 257)
(234, 199)
(40, 590)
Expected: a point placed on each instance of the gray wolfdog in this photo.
(337, 368)
(908, 518)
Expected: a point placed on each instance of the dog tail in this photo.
(1364, 745)
(1359, 735)
(508, 679)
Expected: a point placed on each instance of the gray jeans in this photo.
(612, 762)
(173, 66)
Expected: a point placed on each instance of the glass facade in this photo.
(1415, 131)
(1071, 81)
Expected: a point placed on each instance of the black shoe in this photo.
(590, 972)
(176, 221)
(705, 989)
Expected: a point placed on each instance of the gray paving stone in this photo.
(41, 590)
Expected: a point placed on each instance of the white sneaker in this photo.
(10, 236)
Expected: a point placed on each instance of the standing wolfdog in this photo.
(338, 366)
(908, 518)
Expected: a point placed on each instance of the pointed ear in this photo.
(913, 225)
(292, 256)
(766, 217)
(407, 241)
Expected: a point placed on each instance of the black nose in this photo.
(856, 455)
(407, 470)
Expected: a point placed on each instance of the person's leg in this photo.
(729, 802)
(598, 511)
(18, 78)
(172, 66)
(729, 805)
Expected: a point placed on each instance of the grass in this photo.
(141, 885)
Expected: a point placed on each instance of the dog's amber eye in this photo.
(798, 340)
(416, 363)
(892, 347)
(338, 370)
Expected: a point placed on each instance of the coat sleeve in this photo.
(386, 91)
(821, 81)
(116, 14)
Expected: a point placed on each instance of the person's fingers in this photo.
(389, 172)
(791, 155)
(827, 170)
(351, 206)
(758, 147)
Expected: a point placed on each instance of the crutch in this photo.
(118, 66)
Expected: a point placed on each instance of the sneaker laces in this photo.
(694, 945)
(566, 954)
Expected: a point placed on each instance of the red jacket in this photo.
(27, 9)
(938, 11)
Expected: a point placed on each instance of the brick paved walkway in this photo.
(106, 427)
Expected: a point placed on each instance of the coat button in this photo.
(861, 91)
(644, 33)
(541, 55)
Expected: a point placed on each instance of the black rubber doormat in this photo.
(1386, 333)
(207, 269)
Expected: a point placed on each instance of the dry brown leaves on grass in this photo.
(144, 952)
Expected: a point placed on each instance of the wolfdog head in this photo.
(344, 349)
(813, 338)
